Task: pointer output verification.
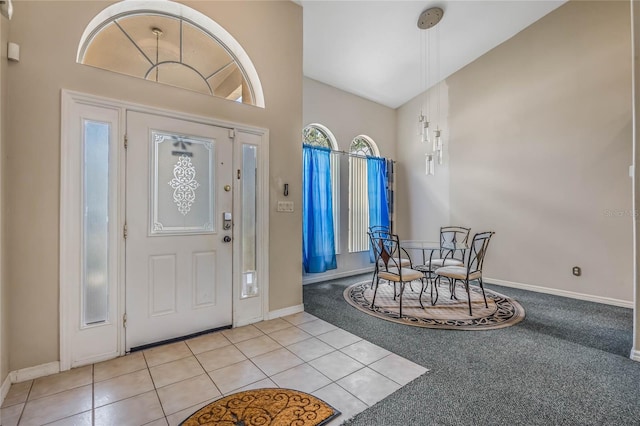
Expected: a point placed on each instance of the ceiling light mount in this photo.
(430, 18)
(157, 31)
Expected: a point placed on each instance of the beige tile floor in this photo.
(164, 385)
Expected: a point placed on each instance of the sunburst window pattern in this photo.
(169, 50)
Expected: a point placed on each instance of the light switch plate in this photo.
(285, 206)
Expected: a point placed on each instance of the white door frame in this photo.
(245, 311)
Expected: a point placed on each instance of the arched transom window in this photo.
(363, 145)
(173, 45)
(319, 135)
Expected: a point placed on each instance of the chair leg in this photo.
(401, 291)
(483, 294)
(421, 291)
(466, 285)
(434, 283)
(452, 288)
(375, 291)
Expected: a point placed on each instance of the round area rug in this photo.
(264, 407)
(447, 313)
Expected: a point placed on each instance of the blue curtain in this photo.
(377, 191)
(318, 248)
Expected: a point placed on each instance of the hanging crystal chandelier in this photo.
(428, 19)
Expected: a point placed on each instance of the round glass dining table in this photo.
(427, 249)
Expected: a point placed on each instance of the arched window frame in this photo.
(373, 147)
(331, 139)
(178, 11)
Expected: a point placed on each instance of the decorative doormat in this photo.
(264, 407)
(447, 313)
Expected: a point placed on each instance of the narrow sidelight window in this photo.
(95, 277)
(249, 197)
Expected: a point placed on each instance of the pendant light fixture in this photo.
(427, 20)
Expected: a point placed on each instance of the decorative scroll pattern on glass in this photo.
(181, 204)
(184, 184)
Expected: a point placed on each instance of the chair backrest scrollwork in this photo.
(453, 235)
(477, 251)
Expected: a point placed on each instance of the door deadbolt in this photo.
(226, 239)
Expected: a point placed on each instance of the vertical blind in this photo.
(358, 205)
(335, 195)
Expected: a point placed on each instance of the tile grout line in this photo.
(333, 349)
(350, 393)
(204, 369)
(357, 360)
(26, 400)
(57, 392)
(205, 372)
(154, 386)
(93, 394)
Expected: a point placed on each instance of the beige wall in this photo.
(423, 201)
(348, 116)
(4, 303)
(540, 145)
(635, 4)
(48, 32)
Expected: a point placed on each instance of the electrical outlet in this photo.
(577, 271)
(285, 206)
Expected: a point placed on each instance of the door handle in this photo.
(226, 239)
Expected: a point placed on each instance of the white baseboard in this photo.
(31, 373)
(635, 354)
(564, 293)
(4, 390)
(285, 311)
(316, 278)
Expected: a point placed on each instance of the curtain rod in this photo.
(351, 154)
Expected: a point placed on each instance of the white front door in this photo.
(178, 223)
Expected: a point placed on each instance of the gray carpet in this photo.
(566, 363)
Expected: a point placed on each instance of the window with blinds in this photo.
(358, 205)
(335, 196)
(361, 147)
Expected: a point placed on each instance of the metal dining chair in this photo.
(473, 269)
(451, 235)
(388, 266)
(448, 255)
(385, 231)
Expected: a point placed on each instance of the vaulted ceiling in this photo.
(374, 49)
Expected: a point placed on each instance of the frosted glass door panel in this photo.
(182, 184)
(249, 169)
(95, 289)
